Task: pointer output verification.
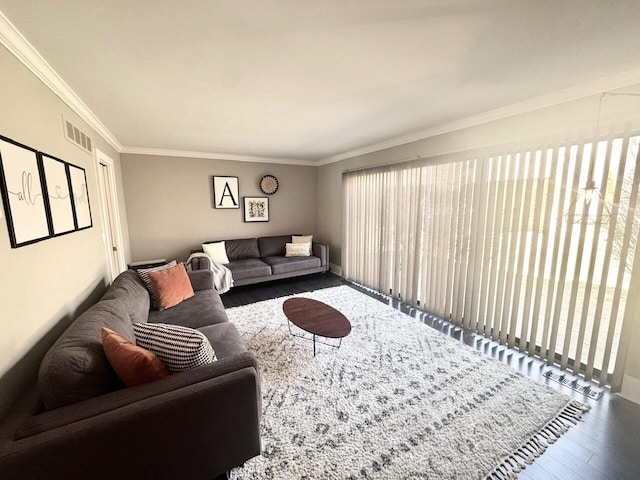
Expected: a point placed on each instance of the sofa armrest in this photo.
(201, 279)
(321, 251)
(196, 425)
(200, 262)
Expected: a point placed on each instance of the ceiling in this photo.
(314, 80)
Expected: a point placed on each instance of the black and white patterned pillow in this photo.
(143, 273)
(179, 348)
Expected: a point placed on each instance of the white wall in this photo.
(45, 285)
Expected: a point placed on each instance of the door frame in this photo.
(102, 159)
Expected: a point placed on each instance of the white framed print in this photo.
(256, 209)
(80, 197)
(225, 192)
(25, 206)
(56, 178)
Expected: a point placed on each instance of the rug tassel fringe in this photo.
(527, 453)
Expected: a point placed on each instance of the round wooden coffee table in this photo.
(317, 318)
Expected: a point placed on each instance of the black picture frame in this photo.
(256, 209)
(226, 192)
(58, 192)
(23, 194)
(80, 197)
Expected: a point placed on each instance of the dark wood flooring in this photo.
(247, 294)
(604, 445)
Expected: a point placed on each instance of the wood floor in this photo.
(604, 445)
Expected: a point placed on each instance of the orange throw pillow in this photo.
(171, 286)
(134, 365)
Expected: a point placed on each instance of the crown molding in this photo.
(596, 87)
(20, 47)
(215, 156)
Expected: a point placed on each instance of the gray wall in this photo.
(170, 203)
(45, 285)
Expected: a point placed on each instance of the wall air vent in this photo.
(76, 136)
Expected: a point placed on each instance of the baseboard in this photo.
(337, 269)
(630, 388)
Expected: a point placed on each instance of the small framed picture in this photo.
(225, 192)
(56, 177)
(80, 197)
(256, 209)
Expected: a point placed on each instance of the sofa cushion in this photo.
(76, 368)
(179, 348)
(273, 246)
(225, 339)
(133, 364)
(129, 290)
(249, 268)
(171, 286)
(291, 264)
(204, 308)
(242, 249)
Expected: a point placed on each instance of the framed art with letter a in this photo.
(225, 192)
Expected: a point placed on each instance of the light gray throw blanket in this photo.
(222, 279)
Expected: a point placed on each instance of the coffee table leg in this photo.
(314, 344)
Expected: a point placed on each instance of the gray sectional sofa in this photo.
(195, 424)
(255, 260)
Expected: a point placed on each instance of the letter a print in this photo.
(225, 192)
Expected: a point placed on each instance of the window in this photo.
(490, 242)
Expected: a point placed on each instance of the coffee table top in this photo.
(316, 317)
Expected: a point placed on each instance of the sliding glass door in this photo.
(507, 243)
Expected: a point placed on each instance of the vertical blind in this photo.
(491, 242)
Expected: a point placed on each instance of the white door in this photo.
(110, 214)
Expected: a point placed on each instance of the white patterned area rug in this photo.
(398, 400)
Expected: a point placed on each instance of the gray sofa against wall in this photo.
(195, 424)
(255, 260)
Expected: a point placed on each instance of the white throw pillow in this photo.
(178, 348)
(303, 239)
(216, 252)
(298, 250)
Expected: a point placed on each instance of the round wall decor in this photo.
(269, 184)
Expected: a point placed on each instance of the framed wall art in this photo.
(256, 209)
(43, 196)
(22, 193)
(80, 197)
(56, 179)
(269, 184)
(225, 192)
